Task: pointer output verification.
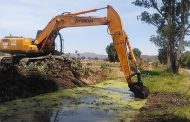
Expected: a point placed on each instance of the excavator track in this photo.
(5, 59)
(61, 58)
(8, 62)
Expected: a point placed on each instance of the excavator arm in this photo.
(120, 40)
(115, 26)
(122, 45)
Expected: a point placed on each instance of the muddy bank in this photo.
(159, 105)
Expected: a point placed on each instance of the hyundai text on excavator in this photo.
(22, 48)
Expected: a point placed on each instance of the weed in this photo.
(76, 67)
(86, 72)
(104, 66)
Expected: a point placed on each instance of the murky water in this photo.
(66, 114)
(123, 92)
(81, 114)
(86, 111)
(90, 100)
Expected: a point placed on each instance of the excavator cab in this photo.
(38, 33)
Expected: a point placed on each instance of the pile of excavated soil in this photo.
(159, 102)
(42, 77)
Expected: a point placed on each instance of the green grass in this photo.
(100, 62)
(159, 80)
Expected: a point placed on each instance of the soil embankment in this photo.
(42, 77)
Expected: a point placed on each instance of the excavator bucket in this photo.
(139, 90)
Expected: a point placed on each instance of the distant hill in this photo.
(100, 56)
(91, 55)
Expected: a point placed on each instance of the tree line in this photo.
(112, 54)
(171, 19)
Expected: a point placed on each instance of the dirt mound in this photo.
(159, 102)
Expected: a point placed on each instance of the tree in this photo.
(161, 43)
(137, 52)
(171, 20)
(112, 54)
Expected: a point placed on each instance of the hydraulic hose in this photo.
(61, 42)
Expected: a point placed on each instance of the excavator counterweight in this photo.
(44, 43)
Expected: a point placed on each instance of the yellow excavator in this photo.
(21, 48)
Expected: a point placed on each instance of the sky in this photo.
(25, 17)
